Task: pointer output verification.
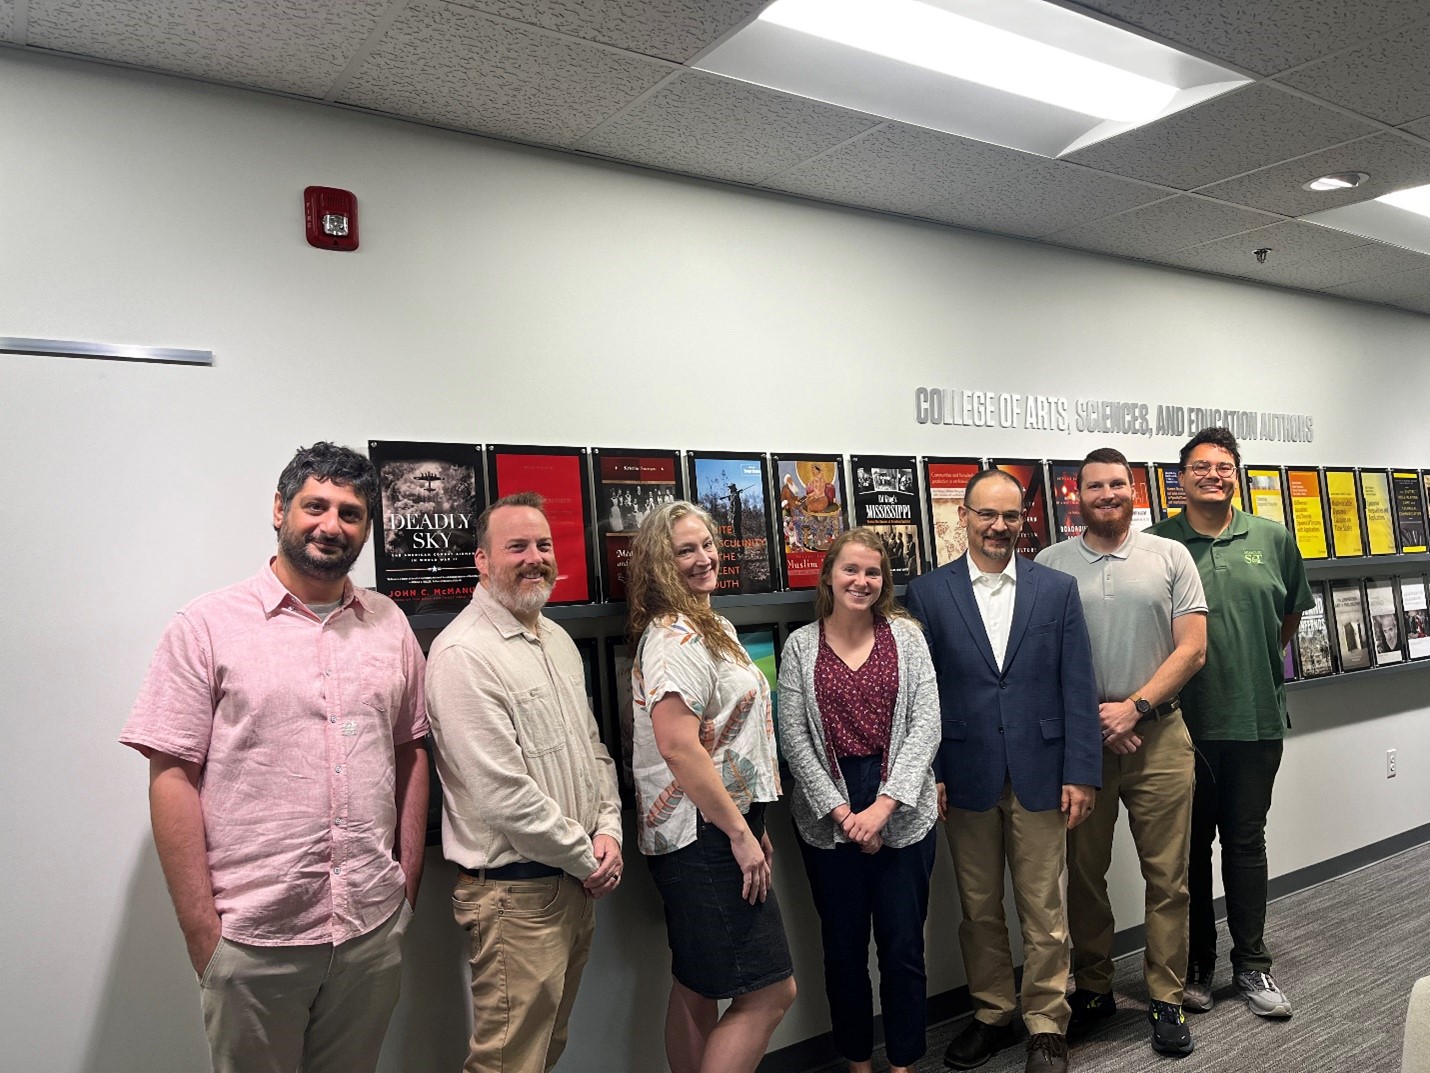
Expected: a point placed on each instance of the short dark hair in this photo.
(988, 474)
(517, 499)
(1106, 456)
(329, 462)
(1217, 437)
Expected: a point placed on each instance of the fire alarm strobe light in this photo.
(331, 218)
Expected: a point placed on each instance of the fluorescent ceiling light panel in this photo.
(1401, 218)
(1021, 73)
(951, 44)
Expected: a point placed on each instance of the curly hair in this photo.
(885, 606)
(1217, 437)
(655, 588)
(328, 462)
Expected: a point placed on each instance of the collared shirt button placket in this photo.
(338, 787)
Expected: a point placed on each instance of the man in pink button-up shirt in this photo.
(283, 720)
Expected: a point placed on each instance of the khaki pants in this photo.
(1032, 845)
(530, 940)
(1155, 783)
(317, 1009)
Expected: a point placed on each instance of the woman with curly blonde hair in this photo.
(704, 764)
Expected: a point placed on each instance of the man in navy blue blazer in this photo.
(1019, 765)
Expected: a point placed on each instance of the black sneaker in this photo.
(1197, 994)
(1088, 1008)
(977, 1043)
(1170, 1034)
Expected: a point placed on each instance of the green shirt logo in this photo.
(1253, 557)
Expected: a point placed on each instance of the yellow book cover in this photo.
(1264, 485)
(1345, 513)
(1307, 517)
(1379, 521)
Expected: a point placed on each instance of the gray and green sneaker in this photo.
(1262, 995)
(1170, 1034)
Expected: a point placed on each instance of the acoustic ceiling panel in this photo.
(671, 29)
(704, 125)
(1292, 245)
(1229, 135)
(1397, 287)
(1388, 79)
(1161, 227)
(295, 46)
(1392, 161)
(1042, 200)
(1265, 36)
(900, 168)
(1366, 261)
(455, 67)
(7, 20)
(1417, 305)
(1420, 128)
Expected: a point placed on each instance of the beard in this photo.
(293, 547)
(521, 599)
(1110, 528)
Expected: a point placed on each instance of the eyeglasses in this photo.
(1223, 469)
(988, 517)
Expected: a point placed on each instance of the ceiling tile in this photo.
(1392, 162)
(1387, 79)
(1420, 128)
(455, 67)
(706, 125)
(1161, 227)
(295, 46)
(1293, 245)
(899, 168)
(671, 29)
(1414, 284)
(1041, 200)
(7, 19)
(1415, 305)
(1266, 36)
(1235, 133)
(1351, 265)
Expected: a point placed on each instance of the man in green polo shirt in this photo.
(1235, 708)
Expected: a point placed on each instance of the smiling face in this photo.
(518, 563)
(856, 579)
(991, 540)
(696, 559)
(322, 532)
(1105, 498)
(1212, 488)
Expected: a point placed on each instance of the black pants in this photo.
(1233, 796)
(890, 890)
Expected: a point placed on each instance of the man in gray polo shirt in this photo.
(1146, 615)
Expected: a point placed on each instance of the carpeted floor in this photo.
(1347, 953)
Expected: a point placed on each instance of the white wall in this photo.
(504, 294)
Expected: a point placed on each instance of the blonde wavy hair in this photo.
(885, 606)
(655, 588)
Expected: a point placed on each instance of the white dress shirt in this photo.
(994, 593)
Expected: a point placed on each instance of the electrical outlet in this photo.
(1390, 763)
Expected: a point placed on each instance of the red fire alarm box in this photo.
(331, 218)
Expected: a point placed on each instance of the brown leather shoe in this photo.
(1047, 1053)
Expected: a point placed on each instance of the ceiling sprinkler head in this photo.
(1261, 254)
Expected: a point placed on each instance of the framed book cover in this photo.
(1266, 493)
(886, 498)
(629, 485)
(617, 731)
(1067, 507)
(1386, 643)
(1409, 510)
(1313, 639)
(734, 488)
(1414, 616)
(424, 535)
(1288, 664)
(812, 501)
(1036, 533)
(944, 481)
(1343, 507)
(1377, 512)
(1349, 632)
(587, 648)
(760, 641)
(561, 476)
(1308, 512)
(1141, 497)
(1171, 497)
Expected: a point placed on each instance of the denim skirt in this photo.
(721, 946)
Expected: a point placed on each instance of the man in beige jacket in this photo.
(530, 812)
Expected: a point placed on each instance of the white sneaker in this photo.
(1262, 995)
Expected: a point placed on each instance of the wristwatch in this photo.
(1143, 706)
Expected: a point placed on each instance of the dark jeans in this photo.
(889, 889)
(1232, 798)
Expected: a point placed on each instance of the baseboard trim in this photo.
(819, 1050)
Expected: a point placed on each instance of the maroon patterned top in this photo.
(856, 708)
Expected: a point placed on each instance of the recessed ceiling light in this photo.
(1401, 218)
(1025, 74)
(1341, 180)
(1416, 200)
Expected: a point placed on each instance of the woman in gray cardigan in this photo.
(859, 725)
